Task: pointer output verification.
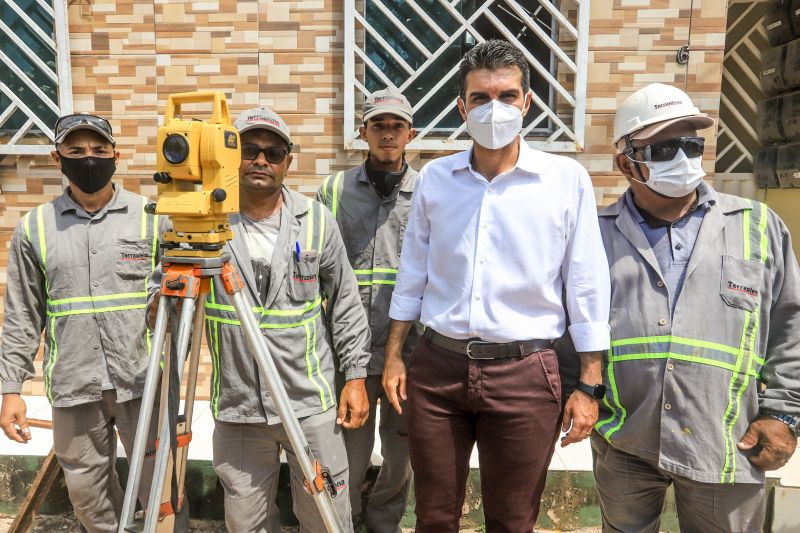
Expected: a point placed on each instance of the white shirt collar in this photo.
(529, 160)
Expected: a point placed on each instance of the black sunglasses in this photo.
(68, 121)
(272, 154)
(668, 149)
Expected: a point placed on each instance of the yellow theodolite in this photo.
(193, 152)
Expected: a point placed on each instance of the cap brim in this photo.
(699, 122)
(272, 129)
(103, 133)
(396, 112)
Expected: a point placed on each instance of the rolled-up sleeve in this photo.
(412, 276)
(586, 276)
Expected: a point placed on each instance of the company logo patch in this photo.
(305, 278)
(340, 485)
(741, 288)
(387, 99)
(134, 257)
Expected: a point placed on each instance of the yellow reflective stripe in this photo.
(27, 226)
(53, 355)
(310, 225)
(96, 310)
(321, 229)
(324, 189)
(268, 312)
(335, 202)
(101, 298)
(320, 375)
(681, 340)
(619, 413)
(746, 223)
(309, 369)
(762, 229)
(42, 244)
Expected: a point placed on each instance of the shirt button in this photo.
(94, 380)
(670, 367)
(662, 322)
(94, 251)
(667, 406)
(674, 224)
(678, 246)
(96, 346)
(377, 261)
(478, 298)
(95, 283)
(660, 283)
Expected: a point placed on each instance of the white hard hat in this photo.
(653, 108)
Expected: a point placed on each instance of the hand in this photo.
(581, 414)
(353, 405)
(772, 443)
(12, 414)
(394, 381)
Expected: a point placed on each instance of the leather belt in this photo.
(478, 349)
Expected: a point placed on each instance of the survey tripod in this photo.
(189, 279)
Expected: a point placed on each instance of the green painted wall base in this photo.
(569, 501)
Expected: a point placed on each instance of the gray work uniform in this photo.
(683, 386)
(82, 280)
(301, 337)
(372, 229)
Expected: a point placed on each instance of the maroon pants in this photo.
(510, 407)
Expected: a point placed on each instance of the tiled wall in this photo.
(129, 55)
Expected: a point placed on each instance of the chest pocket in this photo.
(741, 282)
(133, 259)
(304, 283)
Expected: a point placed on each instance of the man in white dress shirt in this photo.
(502, 247)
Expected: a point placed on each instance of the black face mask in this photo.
(383, 181)
(89, 174)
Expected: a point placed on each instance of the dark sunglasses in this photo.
(667, 150)
(68, 121)
(272, 154)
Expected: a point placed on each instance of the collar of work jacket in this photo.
(295, 207)
(713, 222)
(406, 184)
(65, 203)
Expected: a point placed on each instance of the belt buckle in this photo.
(469, 350)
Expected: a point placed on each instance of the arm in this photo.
(394, 370)
(588, 295)
(349, 326)
(781, 371)
(25, 311)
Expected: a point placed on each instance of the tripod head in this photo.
(192, 152)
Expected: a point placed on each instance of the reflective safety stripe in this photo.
(663, 347)
(315, 232)
(96, 304)
(377, 276)
(267, 318)
(754, 229)
(330, 191)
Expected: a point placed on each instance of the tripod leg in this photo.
(308, 464)
(145, 415)
(162, 453)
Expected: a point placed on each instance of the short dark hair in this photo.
(492, 55)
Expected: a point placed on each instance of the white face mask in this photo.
(675, 178)
(494, 124)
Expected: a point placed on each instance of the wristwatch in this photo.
(598, 392)
(790, 421)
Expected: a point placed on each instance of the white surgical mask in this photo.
(675, 178)
(494, 124)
